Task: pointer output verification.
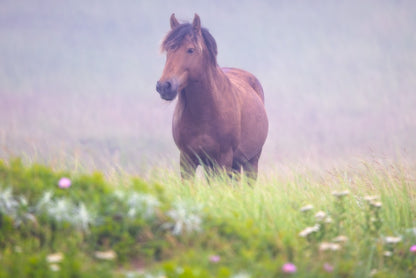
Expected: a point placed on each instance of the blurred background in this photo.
(77, 78)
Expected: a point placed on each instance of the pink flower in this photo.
(413, 249)
(289, 268)
(328, 267)
(64, 183)
(214, 259)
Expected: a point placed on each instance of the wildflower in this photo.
(241, 275)
(309, 230)
(8, 203)
(373, 272)
(340, 239)
(142, 204)
(324, 246)
(45, 200)
(54, 258)
(185, 217)
(214, 259)
(376, 204)
(340, 194)
(320, 216)
(60, 210)
(392, 240)
(388, 253)
(54, 267)
(328, 267)
(370, 198)
(306, 208)
(82, 219)
(289, 268)
(413, 249)
(328, 220)
(105, 255)
(64, 182)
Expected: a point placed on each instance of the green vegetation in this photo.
(358, 223)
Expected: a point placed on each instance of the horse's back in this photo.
(245, 76)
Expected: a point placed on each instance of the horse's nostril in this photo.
(158, 86)
(168, 85)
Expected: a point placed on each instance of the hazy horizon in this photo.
(77, 78)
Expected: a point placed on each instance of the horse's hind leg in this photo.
(251, 168)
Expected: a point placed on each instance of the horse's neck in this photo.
(203, 97)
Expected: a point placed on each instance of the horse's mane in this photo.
(176, 36)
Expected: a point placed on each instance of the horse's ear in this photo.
(173, 22)
(196, 24)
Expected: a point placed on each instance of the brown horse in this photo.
(219, 119)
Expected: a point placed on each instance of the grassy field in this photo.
(96, 192)
(358, 221)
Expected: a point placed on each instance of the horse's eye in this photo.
(190, 50)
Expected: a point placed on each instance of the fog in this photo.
(77, 78)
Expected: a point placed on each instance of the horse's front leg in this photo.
(188, 166)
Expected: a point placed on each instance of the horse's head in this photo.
(189, 50)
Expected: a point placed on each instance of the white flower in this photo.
(8, 204)
(241, 275)
(388, 253)
(82, 219)
(105, 255)
(373, 272)
(376, 204)
(392, 240)
(320, 216)
(340, 194)
(324, 246)
(185, 217)
(328, 220)
(309, 230)
(54, 267)
(340, 239)
(60, 210)
(44, 201)
(142, 204)
(54, 258)
(306, 208)
(371, 198)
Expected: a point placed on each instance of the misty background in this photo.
(77, 78)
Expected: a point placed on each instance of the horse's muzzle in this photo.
(167, 90)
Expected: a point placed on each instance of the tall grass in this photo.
(353, 221)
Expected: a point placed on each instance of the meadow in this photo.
(357, 221)
(89, 179)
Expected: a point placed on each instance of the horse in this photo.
(219, 121)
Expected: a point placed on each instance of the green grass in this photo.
(164, 226)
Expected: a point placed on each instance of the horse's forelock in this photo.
(176, 36)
